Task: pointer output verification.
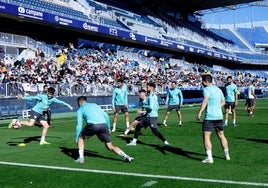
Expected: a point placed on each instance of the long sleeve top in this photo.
(91, 113)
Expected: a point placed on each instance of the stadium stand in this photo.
(254, 35)
(228, 34)
(62, 10)
(92, 67)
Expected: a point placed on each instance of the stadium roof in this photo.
(186, 6)
(196, 5)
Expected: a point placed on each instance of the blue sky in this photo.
(243, 15)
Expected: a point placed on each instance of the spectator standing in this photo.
(212, 105)
(174, 101)
(120, 103)
(13, 87)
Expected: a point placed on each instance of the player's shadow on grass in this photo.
(73, 153)
(262, 123)
(121, 130)
(255, 140)
(176, 151)
(127, 139)
(26, 140)
(164, 149)
(194, 122)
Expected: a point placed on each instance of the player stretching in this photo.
(142, 113)
(97, 123)
(151, 106)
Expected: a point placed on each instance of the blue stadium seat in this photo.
(96, 5)
(254, 35)
(51, 8)
(228, 34)
(3, 111)
(18, 111)
(12, 110)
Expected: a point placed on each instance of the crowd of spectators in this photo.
(96, 72)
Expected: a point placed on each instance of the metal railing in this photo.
(27, 89)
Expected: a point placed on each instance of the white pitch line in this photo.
(137, 174)
(149, 183)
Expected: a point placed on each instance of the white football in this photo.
(16, 124)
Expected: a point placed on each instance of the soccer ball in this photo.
(16, 124)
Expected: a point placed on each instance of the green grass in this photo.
(179, 166)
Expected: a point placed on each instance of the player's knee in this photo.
(82, 137)
(31, 124)
(109, 146)
(46, 126)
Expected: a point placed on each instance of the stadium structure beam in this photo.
(259, 3)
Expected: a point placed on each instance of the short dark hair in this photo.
(207, 77)
(254, 81)
(151, 84)
(120, 80)
(51, 90)
(229, 77)
(142, 90)
(82, 98)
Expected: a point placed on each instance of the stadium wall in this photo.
(11, 107)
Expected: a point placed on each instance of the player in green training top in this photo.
(251, 98)
(212, 105)
(151, 107)
(120, 102)
(174, 101)
(142, 117)
(231, 100)
(47, 112)
(44, 101)
(97, 123)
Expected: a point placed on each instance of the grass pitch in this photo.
(154, 165)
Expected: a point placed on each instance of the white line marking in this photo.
(149, 183)
(137, 174)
